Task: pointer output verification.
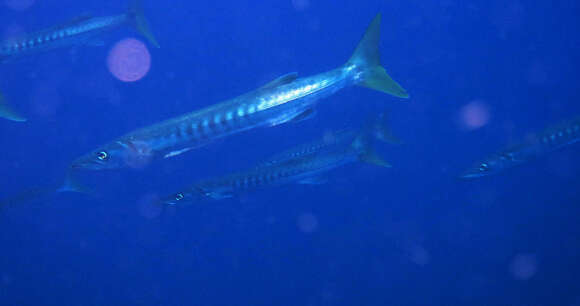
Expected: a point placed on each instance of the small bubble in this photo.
(307, 223)
(419, 255)
(6, 279)
(474, 115)
(524, 266)
(300, 5)
(149, 207)
(19, 5)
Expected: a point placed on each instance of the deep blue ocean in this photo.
(410, 235)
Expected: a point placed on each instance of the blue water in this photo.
(410, 235)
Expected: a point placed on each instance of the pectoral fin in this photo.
(305, 115)
(294, 117)
(177, 152)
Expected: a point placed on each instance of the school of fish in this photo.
(288, 98)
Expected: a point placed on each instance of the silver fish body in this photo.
(75, 33)
(551, 139)
(285, 99)
(79, 31)
(304, 163)
(288, 171)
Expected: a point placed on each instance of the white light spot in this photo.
(524, 266)
(474, 115)
(307, 223)
(240, 112)
(229, 116)
(251, 109)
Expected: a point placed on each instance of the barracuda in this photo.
(80, 31)
(551, 139)
(303, 164)
(285, 99)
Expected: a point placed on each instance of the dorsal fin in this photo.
(285, 79)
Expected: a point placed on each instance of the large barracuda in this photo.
(80, 31)
(285, 99)
(304, 164)
(549, 140)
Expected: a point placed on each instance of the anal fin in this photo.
(370, 156)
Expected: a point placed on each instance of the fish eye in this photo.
(102, 156)
(179, 196)
(483, 167)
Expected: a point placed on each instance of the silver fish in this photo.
(303, 164)
(80, 31)
(547, 141)
(285, 99)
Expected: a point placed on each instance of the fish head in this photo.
(185, 197)
(112, 156)
(489, 166)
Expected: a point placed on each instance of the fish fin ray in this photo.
(136, 13)
(367, 57)
(7, 112)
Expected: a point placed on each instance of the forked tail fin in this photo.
(136, 14)
(8, 112)
(38, 192)
(367, 153)
(380, 129)
(70, 184)
(367, 57)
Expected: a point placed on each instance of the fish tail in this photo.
(380, 129)
(70, 184)
(136, 13)
(367, 153)
(7, 112)
(366, 57)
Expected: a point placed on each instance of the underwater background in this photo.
(481, 74)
